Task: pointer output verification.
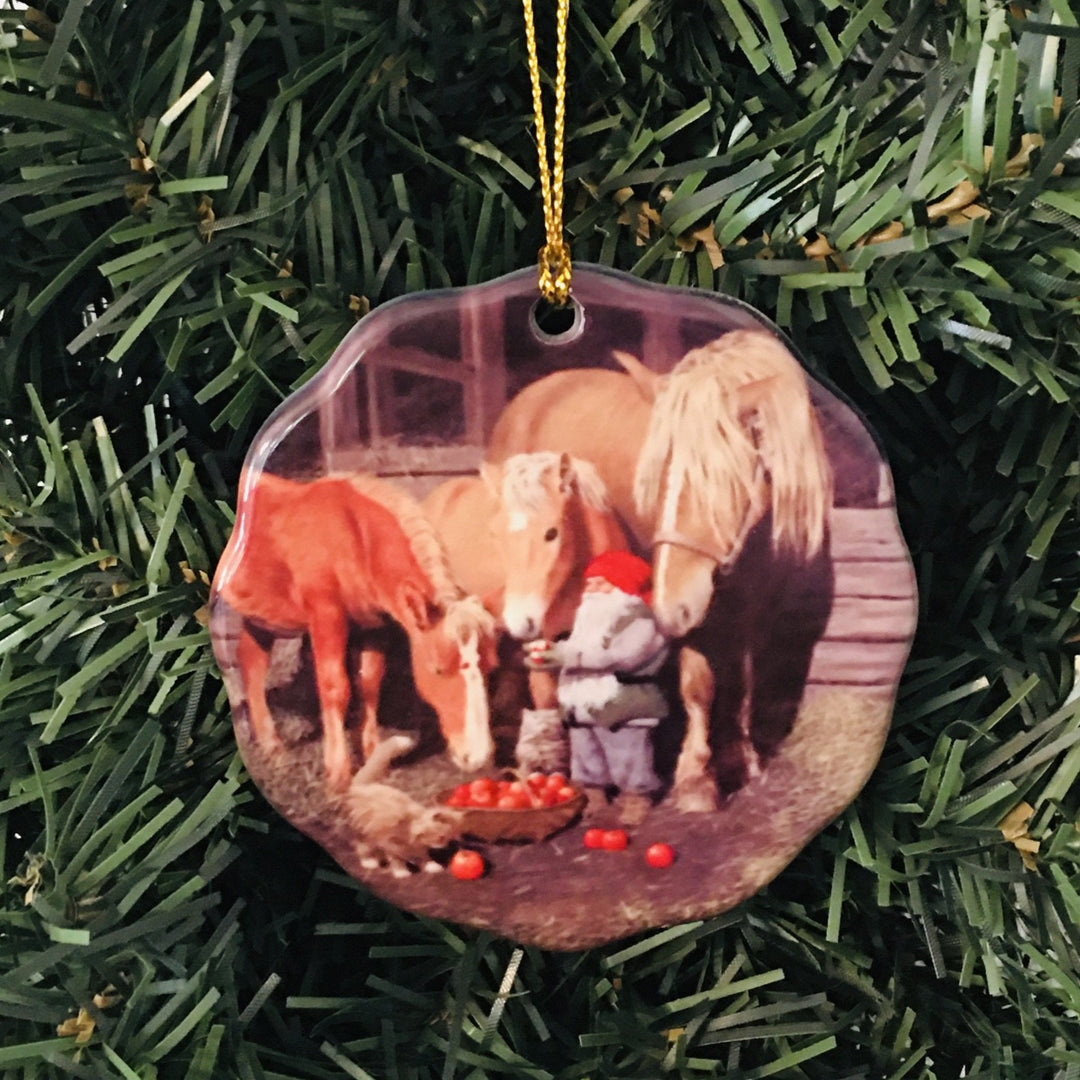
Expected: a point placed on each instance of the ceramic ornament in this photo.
(563, 635)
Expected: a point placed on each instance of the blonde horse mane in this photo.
(706, 441)
(523, 481)
(424, 542)
(467, 618)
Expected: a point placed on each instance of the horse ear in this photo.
(566, 472)
(492, 476)
(416, 610)
(752, 395)
(647, 382)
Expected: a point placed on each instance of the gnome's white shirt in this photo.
(614, 634)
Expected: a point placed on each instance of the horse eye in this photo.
(551, 534)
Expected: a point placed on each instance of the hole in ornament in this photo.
(557, 325)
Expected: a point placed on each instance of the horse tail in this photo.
(645, 379)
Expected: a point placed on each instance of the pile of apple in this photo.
(538, 790)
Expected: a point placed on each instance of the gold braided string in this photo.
(554, 277)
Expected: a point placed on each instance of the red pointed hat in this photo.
(624, 570)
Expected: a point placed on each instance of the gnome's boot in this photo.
(542, 745)
(596, 804)
(633, 807)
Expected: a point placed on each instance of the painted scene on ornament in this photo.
(563, 633)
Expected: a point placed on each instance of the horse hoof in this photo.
(633, 808)
(700, 797)
(596, 804)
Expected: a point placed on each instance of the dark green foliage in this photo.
(171, 271)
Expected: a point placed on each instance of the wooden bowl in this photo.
(530, 823)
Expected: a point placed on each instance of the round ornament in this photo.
(495, 594)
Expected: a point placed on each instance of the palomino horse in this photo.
(693, 462)
(547, 515)
(519, 535)
(553, 517)
(319, 557)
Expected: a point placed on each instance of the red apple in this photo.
(614, 840)
(660, 855)
(467, 865)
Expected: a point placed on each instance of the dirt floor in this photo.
(559, 895)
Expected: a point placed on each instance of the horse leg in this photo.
(751, 758)
(329, 634)
(783, 646)
(372, 670)
(254, 663)
(694, 789)
(542, 689)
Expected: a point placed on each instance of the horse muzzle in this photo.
(682, 588)
(477, 753)
(523, 616)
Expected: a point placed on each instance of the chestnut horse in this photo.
(316, 558)
(693, 461)
(547, 515)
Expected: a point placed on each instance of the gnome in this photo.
(608, 692)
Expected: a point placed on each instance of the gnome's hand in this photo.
(541, 655)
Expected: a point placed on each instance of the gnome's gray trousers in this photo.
(600, 757)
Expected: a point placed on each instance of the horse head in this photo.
(452, 648)
(732, 438)
(551, 508)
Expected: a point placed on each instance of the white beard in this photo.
(599, 610)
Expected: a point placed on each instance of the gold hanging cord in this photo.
(554, 278)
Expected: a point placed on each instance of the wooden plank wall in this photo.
(869, 630)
